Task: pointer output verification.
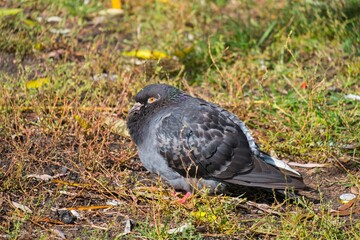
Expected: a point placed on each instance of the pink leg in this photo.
(184, 198)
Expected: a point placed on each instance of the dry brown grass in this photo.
(252, 58)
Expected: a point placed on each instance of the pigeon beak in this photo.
(136, 107)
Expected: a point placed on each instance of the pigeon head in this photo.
(154, 96)
(149, 101)
(155, 92)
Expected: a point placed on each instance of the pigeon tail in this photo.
(283, 166)
(265, 175)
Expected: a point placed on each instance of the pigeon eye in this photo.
(151, 100)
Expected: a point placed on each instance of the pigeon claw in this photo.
(184, 198)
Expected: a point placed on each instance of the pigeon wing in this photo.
(201, 141)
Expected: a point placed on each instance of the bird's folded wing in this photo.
(202, 141)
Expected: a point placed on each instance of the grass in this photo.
(284, 67)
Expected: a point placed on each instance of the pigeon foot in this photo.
(184, 198)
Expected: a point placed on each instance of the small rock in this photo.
(66, 216)
(63, 170)
(129, 224)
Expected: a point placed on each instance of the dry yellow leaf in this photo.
(69, 183)
(183, 52)
(84, 208)
(117, 126)
(82, 122)
(9, 11)
(146, 54)
(111, 12)
(30, 23)
(116, 4)
(37, 83)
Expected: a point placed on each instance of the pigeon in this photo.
(194, 144)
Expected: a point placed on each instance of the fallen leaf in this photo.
(116, 4)
(38, 46)
(117, 126)
(37, 83)
(349, 208)
(45, 177)
(352, 97)
(308, 165)
(84, 208)
(146, 54)
(263, 207)
(62, 31)
(69, 183)
(30, 23)
(55, 53)
(53, 19)
(347, 205)
(98, 20)
(99, 227)
(102, 76)
(21, 207)
(184, 52)
(346, 212)
(128, 226)
(111, 12)
(9, 11)
(58, 233)
(75, 214)
(67, 193)
(304, 85)
(350, 146)
(354, 190)
(344, 159)
(113, 203)
(82, 122)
